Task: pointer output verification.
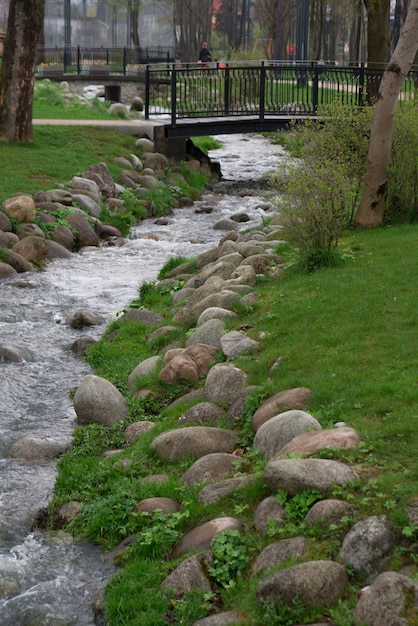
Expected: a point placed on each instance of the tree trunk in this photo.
(135, 7)
(377, 31)
(17, 69)
(372, 205)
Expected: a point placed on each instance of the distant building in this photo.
(96, 24)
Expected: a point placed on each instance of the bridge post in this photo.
(173, 95)
(172, 148)
(262, 102)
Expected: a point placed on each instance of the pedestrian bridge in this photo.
(232, 98)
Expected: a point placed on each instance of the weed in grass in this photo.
(230, 557)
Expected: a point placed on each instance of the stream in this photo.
(47, 578)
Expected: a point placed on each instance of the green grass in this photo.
(349, 334)
(48, 103)
(56, 155)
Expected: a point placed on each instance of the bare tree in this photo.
(372, 205)
(18, 68)
(273, 17)
(377, 30)
(134, 7)
(192, 25)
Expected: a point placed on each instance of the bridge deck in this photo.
(192, 127)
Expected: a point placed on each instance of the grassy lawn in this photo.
(56, 155)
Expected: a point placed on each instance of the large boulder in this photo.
(97, 400)
(39, 447)
(199, 538)
(315, 583)
(188, 365)
(285, 400)
(274, 434)
(100, 174)
(224, 383)
(387, 601)
(310, 442)
(211, 468)
(368, 546)
(85, 234)
(193, 442)
(33, 248)
(20, 208)
(296, 475)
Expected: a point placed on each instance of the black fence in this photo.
(265, 89)
(79, 60)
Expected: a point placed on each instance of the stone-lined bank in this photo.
(206, 440)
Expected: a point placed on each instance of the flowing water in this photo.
(47, 579)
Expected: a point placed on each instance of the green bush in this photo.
(322, 191)
(402, 199)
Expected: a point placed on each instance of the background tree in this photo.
(17, 69)
(192, 25)
(372, 205)
(134, 7)
(273, 17)
(377, 30)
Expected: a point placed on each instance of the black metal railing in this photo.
(264, 89)
(81, 60)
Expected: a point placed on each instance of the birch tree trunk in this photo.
(17, 69)
(372, 204)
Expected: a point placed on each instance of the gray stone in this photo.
(57, 251)
(368, 545)
(87, 204)
(315, 583)
(39, 447)
(269, 513)
(79, 346)
(388, 601)
(190, 574)
(80, 319)
(216, 491)
(310, 442)
(285, 400)
(208, 333)
(215, 313)
(32, 248)
(6, 270)
(204, 413)
(27, 230)
(236, 342)
(199, 538)
(276, 554)
(221, 619)
(329, 511)
(193, 442)
(143, 316)
(84, 184)
(274, 434)
(97, 400)
(224, 383)
(150, 505)
(296, 475)
(136, 430)
(211, 468)
(143, 369)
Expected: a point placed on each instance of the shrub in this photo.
(402, 199)
(322, 191)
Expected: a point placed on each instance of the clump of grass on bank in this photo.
(348, 333)
(49, 103)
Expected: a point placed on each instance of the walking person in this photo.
(204, 55)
